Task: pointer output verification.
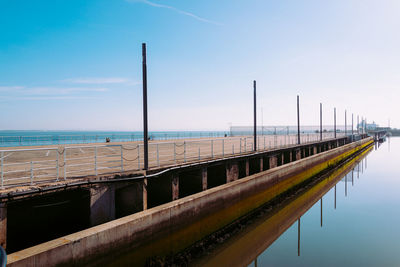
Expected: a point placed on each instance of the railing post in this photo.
(31, 172)
(223, 148)
(158, 156)
(264, 141)
(65, 163)
(199, 154)
(122, 159)
(212, 149)
(95, 160)
(184, 151)
(58, 166)
(245, 145)
(233, 149)
(138, 156)
(2, 169)
(240, 146)
(175, 152)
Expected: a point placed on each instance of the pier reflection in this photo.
(245, 247)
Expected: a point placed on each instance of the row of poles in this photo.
(145, 122)
(298, 120)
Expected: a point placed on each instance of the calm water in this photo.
(33, 138)
(363, 230)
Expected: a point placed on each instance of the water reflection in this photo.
(248, 246)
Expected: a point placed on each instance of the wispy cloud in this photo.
(41, 98)
(49, 90)
(102, 80)
(189, 14)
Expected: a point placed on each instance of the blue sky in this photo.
(77, 64)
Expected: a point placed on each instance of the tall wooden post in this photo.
(145, 128)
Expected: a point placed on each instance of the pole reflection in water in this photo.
(321, 211)
(345, 185)
(298, 237)
(352, 177)
(335, 196)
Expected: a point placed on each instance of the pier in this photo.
(99, 203)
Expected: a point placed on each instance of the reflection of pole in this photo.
(358, 170)
(345, 185)
(321, 211)
(352, 177)
(335, 196)
(362, 166)
(298, 237)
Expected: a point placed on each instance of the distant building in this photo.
(368, 126)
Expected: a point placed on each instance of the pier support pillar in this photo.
(261, 164)
(283, 158)
(273, 162)
(298, 154)
(3, 225)
(204, 178)
(144, 186)
(232, 171)
(315, 150)
(247, 167)
(290, 156)
(329, 146)
(102, 204)
(175, 186)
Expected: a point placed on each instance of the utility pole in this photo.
(345, 122)
(334, 121)
(352, 125)
(145, 126)
(255, 117)
(298, 121)
(320, 121)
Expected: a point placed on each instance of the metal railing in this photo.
(30, 166)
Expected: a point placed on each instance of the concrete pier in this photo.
(121, 195)
(170, 227)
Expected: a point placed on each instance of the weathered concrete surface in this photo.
(3, 225)
(102, 204)
(204, 178)
(175, 186)
(273, 162)
(173, 226)
(232, 171)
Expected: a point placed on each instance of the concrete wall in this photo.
(173, 226)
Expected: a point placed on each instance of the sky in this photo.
(76, 65)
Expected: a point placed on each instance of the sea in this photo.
(15, 138)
